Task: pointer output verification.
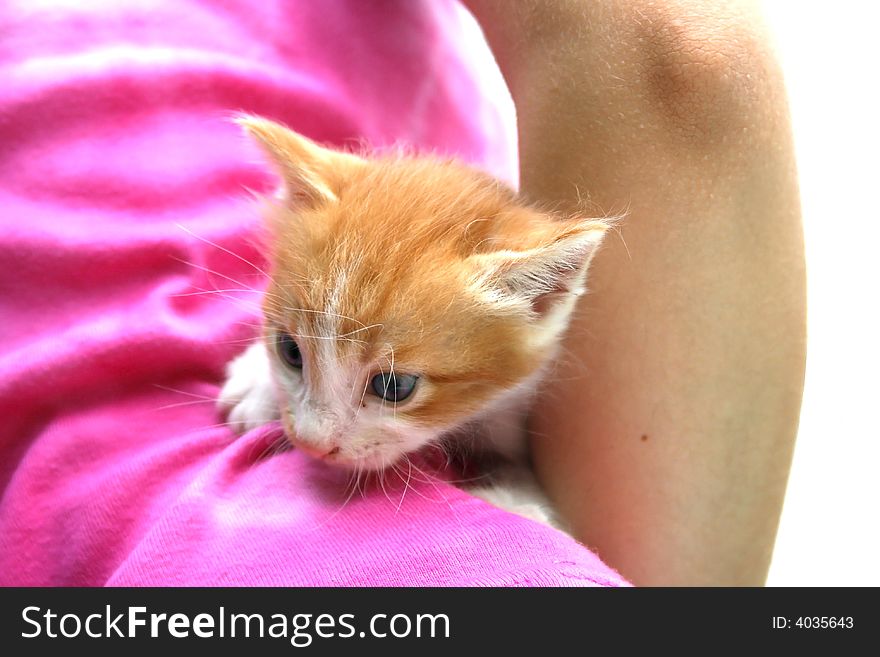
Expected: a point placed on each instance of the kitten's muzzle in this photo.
(321, 452)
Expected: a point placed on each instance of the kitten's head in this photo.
(406, 296)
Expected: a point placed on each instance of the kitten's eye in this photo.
(394, 387)
(289, 351)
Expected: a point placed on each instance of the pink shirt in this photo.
(115, 468)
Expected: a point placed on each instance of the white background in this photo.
(831, 55)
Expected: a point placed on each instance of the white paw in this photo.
(248, 398)
(511, 501)
(516, 490)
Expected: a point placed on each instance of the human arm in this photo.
(666, 436)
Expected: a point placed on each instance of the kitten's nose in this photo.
(318, 451)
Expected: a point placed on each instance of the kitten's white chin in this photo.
(359, 463)
(373, 463)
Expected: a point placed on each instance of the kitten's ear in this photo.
(311, 173)
(540, 277)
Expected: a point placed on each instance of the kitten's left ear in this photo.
(312, 174)
(540, 277)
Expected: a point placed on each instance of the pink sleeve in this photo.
(114, 152)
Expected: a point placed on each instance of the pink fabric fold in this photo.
(126, 233)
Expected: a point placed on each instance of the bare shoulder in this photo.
(704, 70)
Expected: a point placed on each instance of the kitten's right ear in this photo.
(312, 174)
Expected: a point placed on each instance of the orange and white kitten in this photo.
(411, 301)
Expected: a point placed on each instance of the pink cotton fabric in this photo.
(117, 162)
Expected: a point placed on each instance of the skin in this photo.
(666, 437)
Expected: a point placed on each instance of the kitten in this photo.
(411, 301)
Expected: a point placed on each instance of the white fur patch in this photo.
(515, 489)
